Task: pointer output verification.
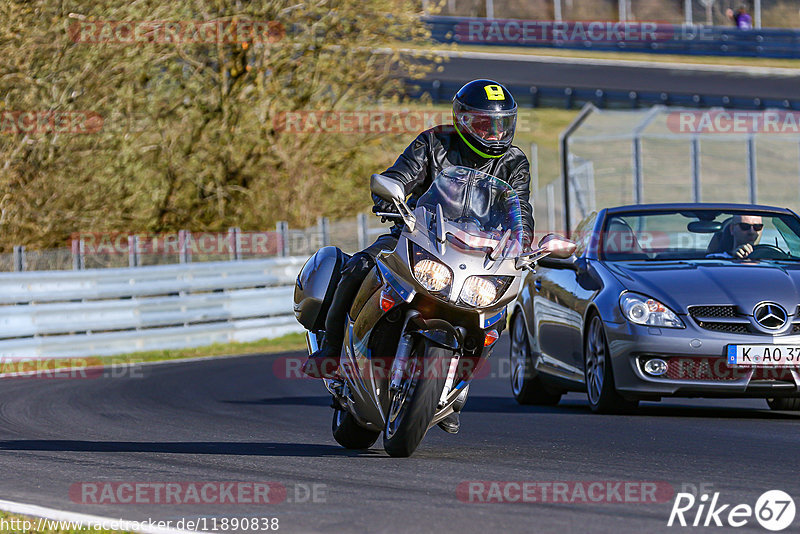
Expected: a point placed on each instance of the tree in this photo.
(190, 134)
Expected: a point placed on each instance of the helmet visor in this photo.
(490, 126)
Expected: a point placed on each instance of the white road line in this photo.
(532, 58)
(85, 519)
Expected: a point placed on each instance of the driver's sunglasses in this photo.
(745, 227)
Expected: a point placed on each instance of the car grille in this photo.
(717, 369)
(720, 319)
(712, 311)
(730, 328)
(679, 368)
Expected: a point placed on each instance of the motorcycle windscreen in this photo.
(480, 206)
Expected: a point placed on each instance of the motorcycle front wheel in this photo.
(412, 407)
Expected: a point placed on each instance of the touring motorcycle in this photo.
(426, 317)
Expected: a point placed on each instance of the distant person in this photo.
(738, 238)
(741, 19)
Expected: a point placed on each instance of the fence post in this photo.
(77, 254)
(550, 191)
(283, 231)
(638, 192)
(19, 258)
(757, 13)
(695, 153)
(534, 176)
(363, 231)
(184, 237)
(489, 9)
(133, 251)
(623, 10)
(323, 227)
(751, 169)
(557, 10)
(234, 244)
(687, 12)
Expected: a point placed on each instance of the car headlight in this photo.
(433, 276)
(482, 291)
(649, 312)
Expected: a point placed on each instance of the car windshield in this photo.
(699, 234)
(478, 207)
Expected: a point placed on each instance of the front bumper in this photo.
(697, 363)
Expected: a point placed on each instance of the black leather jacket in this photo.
(441, 147)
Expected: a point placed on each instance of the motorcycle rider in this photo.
(484, 122)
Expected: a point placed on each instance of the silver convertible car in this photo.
(664, 300)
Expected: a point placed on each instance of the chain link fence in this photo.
(681, 155)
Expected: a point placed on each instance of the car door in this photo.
(556, 309)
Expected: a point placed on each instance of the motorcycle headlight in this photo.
(482, 291)
(433, 276)
(649, 312)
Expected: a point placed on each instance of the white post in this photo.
(623, 10)
(687, 12)
(489, 9)
(557, 10)
(757, 13)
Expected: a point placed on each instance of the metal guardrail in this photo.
(672, 39)
(576, 97)
(100, 312)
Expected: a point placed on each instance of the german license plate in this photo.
(764, 355)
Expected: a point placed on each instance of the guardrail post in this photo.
(19, 258)
(363, 235)
(235, 243)
(184, 246)
(133, 251)
(283, 231)
(77, 254)
(752, 173)
(323, 227)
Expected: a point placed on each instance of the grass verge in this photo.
(15, 523)
(289, 342)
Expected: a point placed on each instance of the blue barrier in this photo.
(576, 97)
(648, 37)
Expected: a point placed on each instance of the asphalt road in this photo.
(633, 76)
(235, 420)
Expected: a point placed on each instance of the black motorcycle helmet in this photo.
(485, 117)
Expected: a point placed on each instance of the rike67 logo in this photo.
(774, 510)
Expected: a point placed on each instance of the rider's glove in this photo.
(383, 206)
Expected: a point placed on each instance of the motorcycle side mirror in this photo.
(559, 247)
(387, 188)
(392, 191)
